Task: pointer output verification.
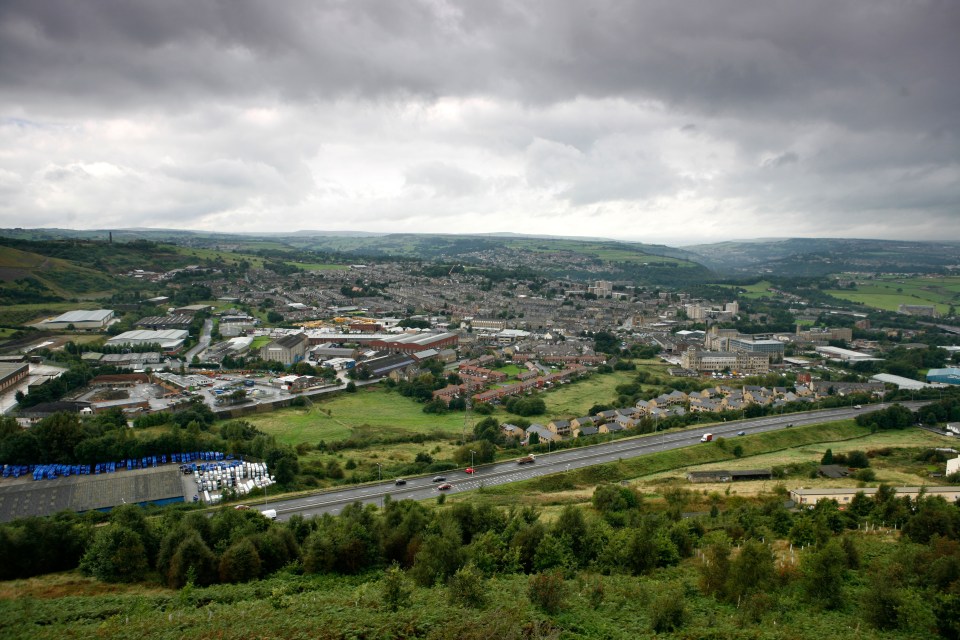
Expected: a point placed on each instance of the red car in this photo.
(470, 470)
(445, 487)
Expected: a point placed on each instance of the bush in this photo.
(668, 612)
(865, 475)
(467, 588)
(548, 591)
(858, 459)
(395, 590)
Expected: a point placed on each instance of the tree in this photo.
(192, 558)
(116, 555)
(824, 573)
(240, 562)
(827, 457)
(752, 571)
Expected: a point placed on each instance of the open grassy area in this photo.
(751, 291)
(368, 409)
(573, 400)
(889, 292)
(891, 470)
(511, 370)
(259, 341)
(316, 266)
(225, 256)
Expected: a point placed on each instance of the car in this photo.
(242, 507)
(399, 482)
(741, 433)
(438, 479)
(856, 406)
(470, 470)
(446, 486)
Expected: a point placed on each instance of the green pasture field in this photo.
(574, 399)
(317, 266)
(751, 291)
(226, 256)
(889, 292)
(385, 413)
(259, 341)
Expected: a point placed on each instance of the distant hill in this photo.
(821, 256)
(32, 277)
(579, 258)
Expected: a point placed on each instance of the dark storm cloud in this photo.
(814, 110)
(878, 60)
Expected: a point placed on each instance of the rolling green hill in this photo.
(815, 257)
(32, 277)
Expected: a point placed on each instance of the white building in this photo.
(170, 341)
(95, 320)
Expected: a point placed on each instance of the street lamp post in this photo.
(379, 479)
(472, 452)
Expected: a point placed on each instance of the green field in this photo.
(888, 293)
(751, 291)
(574, 399)
(371, 410)
(316, 266)
(215, 254)
(511, 370)
(259, 341)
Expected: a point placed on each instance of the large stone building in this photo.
(289, 349)
(739, 361)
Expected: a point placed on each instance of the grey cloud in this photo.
(444, 179)
(824, 114)
(785, 158)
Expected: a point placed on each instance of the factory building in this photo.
(81, 320)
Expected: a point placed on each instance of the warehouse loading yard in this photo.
(23, 497)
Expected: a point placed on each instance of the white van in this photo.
(269, 513)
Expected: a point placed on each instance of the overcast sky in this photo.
(673, 122)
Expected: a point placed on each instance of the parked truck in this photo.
(707, 437)
(526, 459)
